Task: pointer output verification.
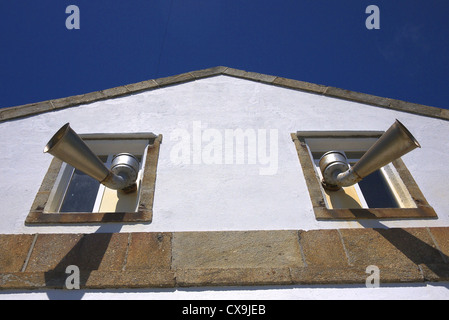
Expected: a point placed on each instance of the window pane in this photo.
(81, 193)
(376, 191)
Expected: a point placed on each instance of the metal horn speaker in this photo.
(67, 146)
(393, 144)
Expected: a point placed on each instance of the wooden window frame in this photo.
(144, 213)
(422, 210)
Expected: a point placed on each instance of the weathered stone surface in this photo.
(130, 279)
(357, 96)
(97, 251)
(39, 201)
(14, 251)
(323, 248)
(232, 276)
(115, 92)
(78, 99)
(390, 247)
(22, 280)
(143, 85)
(441, 236)
(354, 275)
(235, 72)
(300, 85)
(183, 77)
(249, 75)
(415, 108)
(435, 272)
(51, 175)
(149, 251)
(326, 275)
(25, 110)
(89, 279)
(226, 258)
(244, 249)
(198, 74)
(444, 113)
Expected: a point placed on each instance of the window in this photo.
(377, 191)
(381, 189)
(67, 195)
(389, 192)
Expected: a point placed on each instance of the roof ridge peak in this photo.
(61, 103)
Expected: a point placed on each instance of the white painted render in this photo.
(423, 291)
(211, 197)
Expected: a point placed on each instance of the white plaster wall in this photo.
(194, 197)
(424, 291)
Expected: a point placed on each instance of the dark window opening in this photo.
(377, 192)
(81, 193)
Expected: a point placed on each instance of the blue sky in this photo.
(319, 41)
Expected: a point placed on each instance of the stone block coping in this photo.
(56, 104)
(224, 258)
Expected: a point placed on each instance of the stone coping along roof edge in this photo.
(56, 104)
